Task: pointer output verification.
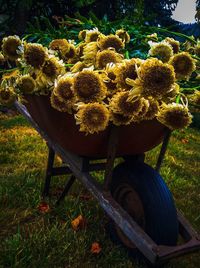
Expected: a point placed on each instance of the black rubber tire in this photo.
(161, 222)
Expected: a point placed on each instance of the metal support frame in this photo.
(80, 168)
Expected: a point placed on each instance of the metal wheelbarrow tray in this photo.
(130, 142)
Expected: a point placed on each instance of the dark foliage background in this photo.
(15, 14)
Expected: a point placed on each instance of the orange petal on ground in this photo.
(43, 207)
(78, 223)
(95, 248)
(184, 141)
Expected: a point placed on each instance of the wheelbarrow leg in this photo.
(51, 157)
(163, 150)
(111, 153)
(66, 189)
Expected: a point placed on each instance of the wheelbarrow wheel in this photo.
(142, 192)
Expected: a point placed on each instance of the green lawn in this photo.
(30, 238)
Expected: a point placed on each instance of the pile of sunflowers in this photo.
(97, 83)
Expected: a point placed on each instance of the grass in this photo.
(30, 238)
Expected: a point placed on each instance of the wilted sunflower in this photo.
(107, 56)
(174, 116)
(50, 70)
(82, 35)
(155, 79)
(195, 98)
(152, 37)
(26, 84)
(197, 49)
(35, 55)
(89, 87)
(174, 43)
(123, 35)
(163, 51)
(110, 41)
(92, 117)
(60, 45)
(109, 78)
(141, 115)
(92, 35)
(11, 77)
(120, 119)
(53, 67)
(77, 67)
(10, 47)
(126, 70)
(172, 93)
(57, 104)
(64, 91)
(7, 96)
(79, 49)
(152, 109)
(71, 54)
(89, 53)
(121, 104)
(183, 65)
(2, 59)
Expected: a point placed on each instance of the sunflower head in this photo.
(195, 98)
(142, 113)
(2, 59)
(120, 119)
(152, 109)
(26, 84)
(77, 67)
(183, 65)
(92, 35)
(89, 87)
(126, 70)
(163, 51)
(79, 49)
(82, 35)
(174, 43)
(35, 55)
(58, 104)
(172, 93)
(89, 53)
(155, 80)
(110, 41)
(123, 35)
(121, 104)
(52, 68)
(10, 46)
(92, 117)
(107, 56)
(109, 79)
(71, 52)
(62, 46)
(174, 116)
(64, 89)
(197, 49)
(7, 96)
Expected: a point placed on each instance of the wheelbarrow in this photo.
(133, 194)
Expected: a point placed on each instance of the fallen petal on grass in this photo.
(78, 223)
(43, 207)
(95, 248)
(184, 141)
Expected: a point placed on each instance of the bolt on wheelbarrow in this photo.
(133, 194)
